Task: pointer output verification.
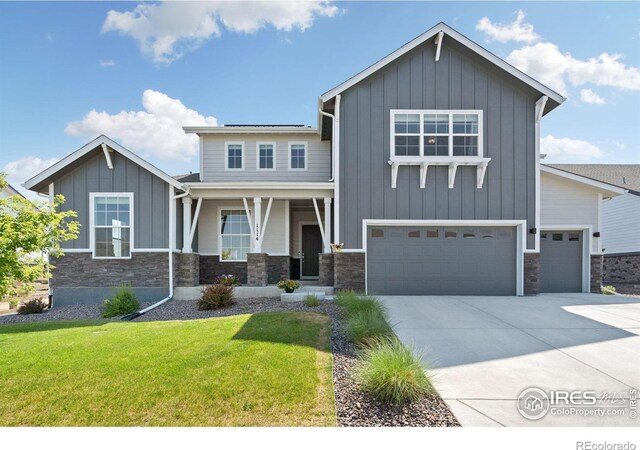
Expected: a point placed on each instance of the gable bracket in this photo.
(453, 168)
(423, 175)
(107, 156)
(439, 38)
(481, 170)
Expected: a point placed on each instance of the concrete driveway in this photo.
(485, 351)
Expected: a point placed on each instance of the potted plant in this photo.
(288, 285)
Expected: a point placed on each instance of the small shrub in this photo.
(215, 297)
(389, 372)
(227, 280)
(608, 290)
(35, 306)
(123, 302)
(350, 303)
(288, 285)
(311, 300)
(367, 325)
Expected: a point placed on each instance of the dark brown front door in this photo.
(311, 247)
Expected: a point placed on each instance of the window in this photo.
(574, 236)
(297, 156)
(436, 133)
(413, 234)
(556, 236)
(449, 234)
(432, 233)
(235, 151)
(235, 235)
(266, 155)
(377, 233)
(112, 225)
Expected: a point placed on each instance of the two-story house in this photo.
(426, 166)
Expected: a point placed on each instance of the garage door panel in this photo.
(440, 260)
(561, 254)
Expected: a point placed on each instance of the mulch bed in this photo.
(353, 408)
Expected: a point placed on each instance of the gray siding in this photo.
(151, 197)
(460, 80)
(318, 159)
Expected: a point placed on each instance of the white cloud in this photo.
(514, 31)
(569, 149)
(544, 62)
(167, 30)
(588, 96)
(25, 168)
(155, 131)
(107, 63)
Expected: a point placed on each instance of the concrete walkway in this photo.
(486, 350)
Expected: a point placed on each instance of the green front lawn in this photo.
(270, 369)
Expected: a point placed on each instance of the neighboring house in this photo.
(425, 166)
(620, 219)
(9, 191)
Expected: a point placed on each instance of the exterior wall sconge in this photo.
(533, 230)
(596, 234)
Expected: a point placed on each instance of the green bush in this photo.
(311, 300)
(608, 290)
(123, 302)
(35, 306)
(350, 302)
(215, 297)
(389, 372)
(363, 326)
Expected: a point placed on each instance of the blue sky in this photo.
(147, 70)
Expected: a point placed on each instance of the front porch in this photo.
(259, 233)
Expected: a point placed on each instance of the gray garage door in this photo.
(561, 261)
(441, 260)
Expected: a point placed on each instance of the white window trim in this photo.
(226, 155)
(219, 231)
(306, 154)
(258, 144)
(422, 112)
(92, 233)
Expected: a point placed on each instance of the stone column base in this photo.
(186, 269)
(596, 273)
(257, 269)
(531, 273)
(348, 271)
(279, 268)
(325, 277)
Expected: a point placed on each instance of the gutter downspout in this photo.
(172, 217)
(335, 167)
(333, 150)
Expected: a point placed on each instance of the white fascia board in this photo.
(604, 187)
(261, 185)
(461, 39)
(250, 130)
(102, 139)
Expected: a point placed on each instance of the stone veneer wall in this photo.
(211, 267)
(325, 277)
(186, 269)
(531, 273)
(348, 271)
(148, 270)
(257, 269)
(596, 273)
(278, 268)
(623, 268)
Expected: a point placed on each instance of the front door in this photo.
(311, 247)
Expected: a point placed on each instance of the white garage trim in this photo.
(521, 226)
(587, 236)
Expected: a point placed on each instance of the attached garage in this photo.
(441, 260)
(561, 261)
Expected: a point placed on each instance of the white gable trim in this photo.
(450, 32)
(100, 140)
(604, 187)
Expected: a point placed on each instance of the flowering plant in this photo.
(227, 280)
(288, 285)
(337, 248)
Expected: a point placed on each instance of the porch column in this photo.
(257, 227)
(186, 224)
(327, 225)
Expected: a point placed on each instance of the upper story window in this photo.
(111, 226)
(266, 155)
(235, 156)
(436, 133)
(297, 155)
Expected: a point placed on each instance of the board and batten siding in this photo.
(208, 226)
(214, 155)
(566, 202)
(150, 193)
(621, 224)
(460, 80)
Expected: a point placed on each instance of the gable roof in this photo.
(10, 191)
(626, 176)
(36, 183)
(450, 33)
(605, 187)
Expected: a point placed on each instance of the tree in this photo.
(29, 231)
